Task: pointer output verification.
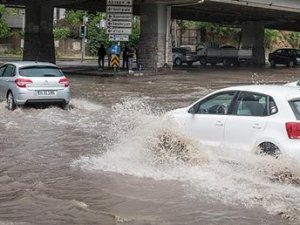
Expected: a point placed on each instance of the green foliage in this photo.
(61, 33)
(74, 17)
(135, 36)
(184, 25)
(96, 35)
(294, 39)
(72, 22)
(270, 38)
(4, 30)
(14, 51)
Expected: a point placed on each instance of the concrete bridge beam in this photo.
(39, 40)
(253, 36)
(155, 46)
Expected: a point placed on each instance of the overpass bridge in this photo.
(253, 16)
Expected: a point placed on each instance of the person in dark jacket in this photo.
(101, 55)
(125, 57)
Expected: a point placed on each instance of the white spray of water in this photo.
(149, 144)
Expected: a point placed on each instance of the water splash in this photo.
(147, 143)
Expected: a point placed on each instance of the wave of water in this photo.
(148, 144)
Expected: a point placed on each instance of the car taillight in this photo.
(293, 130)
(22, 82)
(65, 81)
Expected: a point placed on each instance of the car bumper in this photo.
(25, 96)
(190, 59)
(291, 148)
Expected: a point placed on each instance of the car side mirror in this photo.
(192, 110)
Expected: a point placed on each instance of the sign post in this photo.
(119, 26)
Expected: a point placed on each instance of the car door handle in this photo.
(256, 126)
(219, 124)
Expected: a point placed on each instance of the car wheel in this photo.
(203, 61)
(291, 63)
(272, 62)
(226, 62)
(268, 148)
(178, 62)
(189, 64)
(11, 105)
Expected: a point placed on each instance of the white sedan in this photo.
(258, 118)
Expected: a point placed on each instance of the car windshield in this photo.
(40, 71)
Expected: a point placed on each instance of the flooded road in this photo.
(100, 162)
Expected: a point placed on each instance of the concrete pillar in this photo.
(155, 46)
(253, 35)
(39, 40)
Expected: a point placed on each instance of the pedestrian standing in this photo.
(130, 58)
(109, 53)
(101, 55)
(125, 57)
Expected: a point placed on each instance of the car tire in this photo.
(291, 63)
(227, 62)
(11, 105)
(268, 148)
(272, 62)
(203, 61)
(178, 62)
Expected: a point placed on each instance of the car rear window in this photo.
(40, 71)
(295, 105)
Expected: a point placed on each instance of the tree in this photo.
(4, 29)
(96, 34)
(270, 38)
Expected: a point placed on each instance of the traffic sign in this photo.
(112, 23)
(119, 9)
(115, 49)
(111, 16)
(119, 2)
(118, 37)
(119, 31)
(115, 61)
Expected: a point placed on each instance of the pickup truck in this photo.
(228, 55)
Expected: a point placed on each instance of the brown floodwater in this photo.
(100, 162)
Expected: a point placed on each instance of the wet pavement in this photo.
(97, 163)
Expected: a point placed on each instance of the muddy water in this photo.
(105, 161)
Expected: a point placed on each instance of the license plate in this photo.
(46, 92)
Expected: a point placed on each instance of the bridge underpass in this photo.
(155, 42)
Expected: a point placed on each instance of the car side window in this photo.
(2, 68)
(252, 104)
(215, 104)
(9, 71)
(278, 52)
(272, 106)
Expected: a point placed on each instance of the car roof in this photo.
(289, 92)
(31, 63)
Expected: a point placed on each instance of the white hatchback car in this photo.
(33, 83)
(259, 118)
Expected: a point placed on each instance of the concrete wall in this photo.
(68, 47)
